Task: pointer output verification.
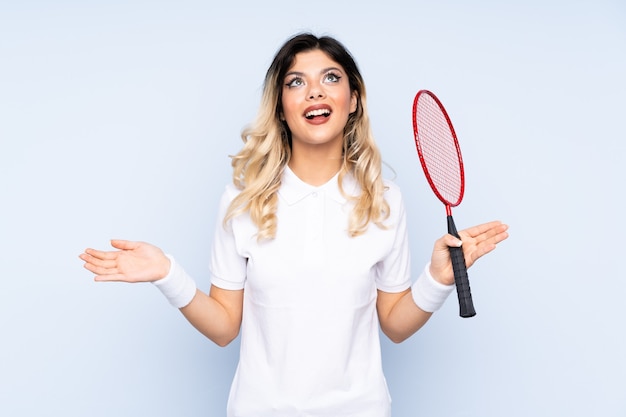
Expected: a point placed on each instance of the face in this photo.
(316, 101)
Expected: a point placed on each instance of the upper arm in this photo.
(217, 315)
(385, 303)
(232, 303)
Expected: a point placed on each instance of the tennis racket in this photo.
(440, 156)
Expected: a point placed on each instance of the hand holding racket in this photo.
(440, 156)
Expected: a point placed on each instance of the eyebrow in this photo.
(324, 71)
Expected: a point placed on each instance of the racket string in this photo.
(439, 150)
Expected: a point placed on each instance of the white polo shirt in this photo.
(310, 334)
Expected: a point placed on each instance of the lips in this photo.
(317, 112)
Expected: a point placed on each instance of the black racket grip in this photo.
(466, 305)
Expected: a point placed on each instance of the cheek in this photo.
(287, 104)
(353, 103)
(287, 114)
(347, 101)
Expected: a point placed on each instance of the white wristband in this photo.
(178, 287)
(429, 294)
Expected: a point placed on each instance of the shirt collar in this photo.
(293, 189)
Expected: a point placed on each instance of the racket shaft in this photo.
(461, 279)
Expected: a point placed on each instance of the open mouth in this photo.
(317, 113)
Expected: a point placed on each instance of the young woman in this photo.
(311, 254)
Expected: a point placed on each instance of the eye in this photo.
(294, 82)
(331, 77)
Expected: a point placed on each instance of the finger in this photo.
(489, 228)
(100, 254)
(452, 241)
(111, 278)
(99, 261)
(479, 234)
(493, 236)
(124, 244)
(100, 270)
(499, 237)
(485, 246)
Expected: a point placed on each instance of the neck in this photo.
(315, 168)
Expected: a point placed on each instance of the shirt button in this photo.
(314, 194)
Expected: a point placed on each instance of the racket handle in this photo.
(466, 305)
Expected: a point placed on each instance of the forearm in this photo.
(404, 318)
(403, 314)
(211, 317)
(216, 315)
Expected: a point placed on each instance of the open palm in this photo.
(477, 241)
(131, 262)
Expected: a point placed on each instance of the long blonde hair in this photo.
(258, 167)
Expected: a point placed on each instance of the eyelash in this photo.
(290, 83)
(332, 74)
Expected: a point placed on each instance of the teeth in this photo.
(318, 112)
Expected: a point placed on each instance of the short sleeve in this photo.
(227, 265)
(394, 271)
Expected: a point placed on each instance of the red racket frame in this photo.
(456, 254)
(448, 204)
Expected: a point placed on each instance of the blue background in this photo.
(117, 119)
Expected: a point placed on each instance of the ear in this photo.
(354, 101)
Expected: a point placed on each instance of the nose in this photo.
(316, 92)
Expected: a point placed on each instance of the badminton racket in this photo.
(440, 156)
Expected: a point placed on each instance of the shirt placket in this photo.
(315, 223)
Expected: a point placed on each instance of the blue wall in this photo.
(116, 120)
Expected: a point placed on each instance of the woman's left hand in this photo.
(476, 242)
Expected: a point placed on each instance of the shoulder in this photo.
(229, 193)
(391, 187)
(392, 193)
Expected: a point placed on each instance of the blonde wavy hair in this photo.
(258, 167)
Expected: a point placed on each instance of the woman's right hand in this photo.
(132, 262)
